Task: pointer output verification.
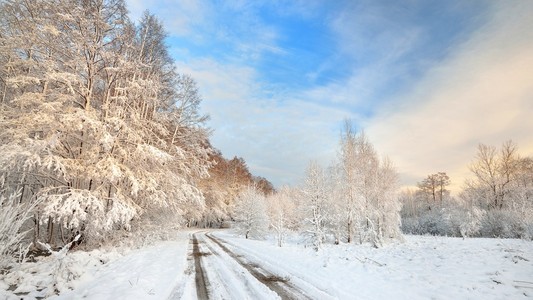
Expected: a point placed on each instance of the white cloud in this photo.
(482, 93)
(181, 18)
(278, 137)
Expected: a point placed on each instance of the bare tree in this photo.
(495, 171)
(434, 188)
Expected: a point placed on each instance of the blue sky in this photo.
(427, 80)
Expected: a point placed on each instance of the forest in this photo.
(102, 141)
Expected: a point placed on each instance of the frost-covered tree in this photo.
(368, 187)
(95, 122)
(314, 195)
(494, 172)
(251, 213)
(227, 179)
(281, 212)
(13, 215)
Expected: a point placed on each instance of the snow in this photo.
(151, 272)
(422, 267)
(155, 271)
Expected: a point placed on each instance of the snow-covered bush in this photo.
(12, 217)
(502, 224)
(410, 225)
(472, 222)
(434, 223)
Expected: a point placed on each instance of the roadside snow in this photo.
(154, 272)
(151, 272)
(421, 268)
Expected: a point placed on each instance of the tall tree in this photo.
(251, 213)
(92, 123)
(368, 186)
(315, 202)
(281, 212)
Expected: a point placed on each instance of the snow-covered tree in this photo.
(314, 195)
(494, 172)
(368, 189)
(251, 213)
(13, 215)
(281, 212)
(95, 122)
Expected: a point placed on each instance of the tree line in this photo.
(496, 201)
(354, 200)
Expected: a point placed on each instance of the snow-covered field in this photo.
(422, 267)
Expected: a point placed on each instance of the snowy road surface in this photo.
(199, 264)
(221, 273)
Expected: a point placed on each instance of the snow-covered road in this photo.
(226, 274)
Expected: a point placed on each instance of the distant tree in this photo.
(315, 201)
(251, 213)
(434, 187)
(367, 189)
(281, 211)
(494, 172)
(263, 185)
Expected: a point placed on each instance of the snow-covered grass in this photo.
(423, 267)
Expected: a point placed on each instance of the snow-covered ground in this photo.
(422, 267)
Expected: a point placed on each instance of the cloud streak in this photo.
(482, 93)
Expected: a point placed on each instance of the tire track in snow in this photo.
(279, 285)
(227, 278)
(200, 278)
